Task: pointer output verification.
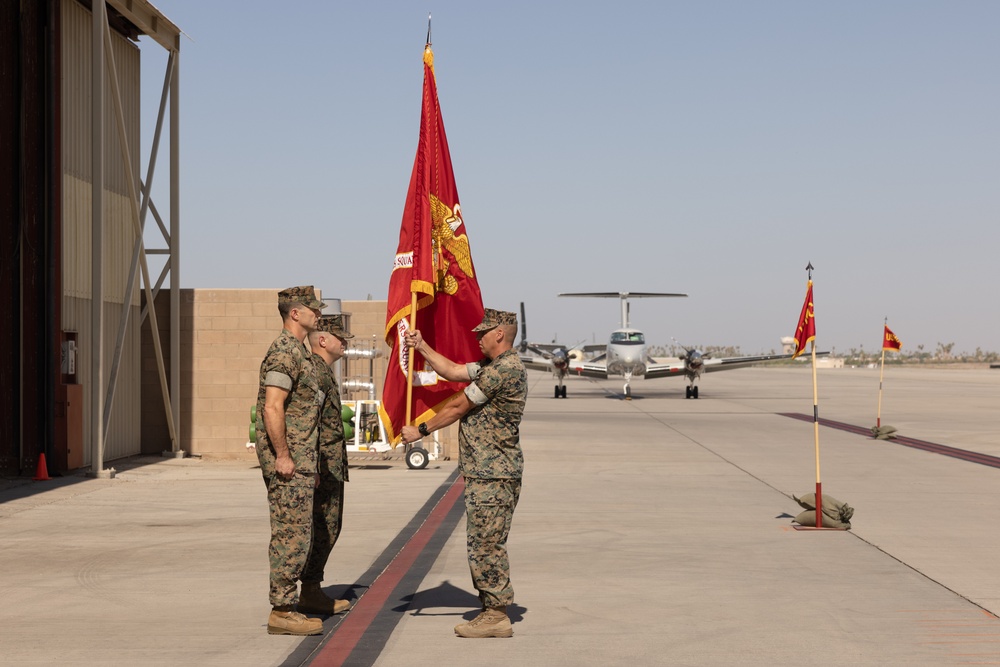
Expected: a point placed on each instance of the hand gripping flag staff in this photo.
(806, 333)
(433, 283)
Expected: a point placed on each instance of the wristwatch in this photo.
(422, 427)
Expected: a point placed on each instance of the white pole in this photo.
(881, 370)
(97, 240)
(175, 253)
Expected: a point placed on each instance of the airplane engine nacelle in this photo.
(695, 360)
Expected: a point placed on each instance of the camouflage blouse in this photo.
(288, 364)
(332, 448)
(489, 441)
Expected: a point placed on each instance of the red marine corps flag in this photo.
(893, 344)
(890, 341)
(433, 284)
(806, 330)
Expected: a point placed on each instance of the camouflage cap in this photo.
(333, 324)
(304, 294)
(494, 318)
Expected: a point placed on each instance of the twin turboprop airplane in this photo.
(549, 356)
(626, 354)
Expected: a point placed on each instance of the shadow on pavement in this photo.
(447, 595)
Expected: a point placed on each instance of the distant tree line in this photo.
(856, 356)
(943, 353)
(707, 350)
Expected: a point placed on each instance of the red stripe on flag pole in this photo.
(819, 505)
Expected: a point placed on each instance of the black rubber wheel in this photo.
(687, 392)
(417, 458)
(694, 392)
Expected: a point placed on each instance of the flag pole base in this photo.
(797, 527)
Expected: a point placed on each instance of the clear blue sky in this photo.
(712, 148)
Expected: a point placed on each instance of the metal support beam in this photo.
(130, 180)
(152, 23)
(175, 247)
(99, 21)
(138, 246)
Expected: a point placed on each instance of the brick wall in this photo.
(224, 336)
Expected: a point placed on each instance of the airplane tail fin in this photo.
(524, 330)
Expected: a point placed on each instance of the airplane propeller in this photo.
(690, 353)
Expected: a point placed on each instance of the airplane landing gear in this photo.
(560, 391)
(628, 393)
(691, 392)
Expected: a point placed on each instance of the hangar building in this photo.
(70, 349)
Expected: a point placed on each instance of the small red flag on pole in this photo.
(432, 276)
(806, 333)
(892, 343)
(806, 330)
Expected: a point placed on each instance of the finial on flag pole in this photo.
(428, 28)
(809, 268)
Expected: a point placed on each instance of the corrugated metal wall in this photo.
(123, 435)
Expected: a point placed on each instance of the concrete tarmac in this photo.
(654, 531)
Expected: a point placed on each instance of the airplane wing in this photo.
(547, 348)
(542, 348)
(590, 369)
(728, 363)
(536, 363)
(654, 370)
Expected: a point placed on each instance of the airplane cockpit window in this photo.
(628, 338)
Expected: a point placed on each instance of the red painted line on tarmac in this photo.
(933, 447)
(356, 623)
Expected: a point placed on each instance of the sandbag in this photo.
(833, 509)
(808, 518)
(884, 432)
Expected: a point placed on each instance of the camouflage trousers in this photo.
(489, 509)
(291, 507)
(328, 514)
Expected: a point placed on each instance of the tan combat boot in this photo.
(282, 622)
(314, 601)
(493, 622)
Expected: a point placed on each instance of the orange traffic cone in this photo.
(42, 470)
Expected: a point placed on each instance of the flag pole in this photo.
(409, 365)
(411, 353)
(819, 482)
(881, 371)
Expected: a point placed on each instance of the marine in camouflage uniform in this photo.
(328, 343)
(289, 388)
(490, 459)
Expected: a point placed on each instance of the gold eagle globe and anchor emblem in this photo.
(444, 222)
